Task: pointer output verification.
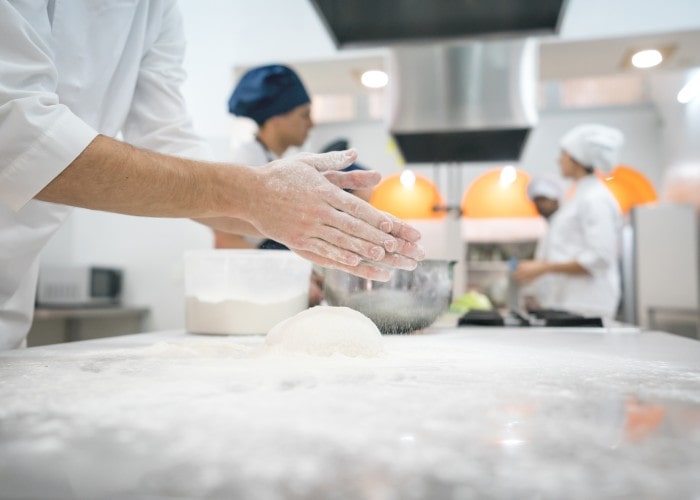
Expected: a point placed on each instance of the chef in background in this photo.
(77, 74)
(582, 245)
(275, 98)
(546, 194)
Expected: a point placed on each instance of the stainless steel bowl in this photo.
(409, 301)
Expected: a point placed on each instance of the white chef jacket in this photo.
(586, 229)
(70, 69)
(541, 287)
(252, 153)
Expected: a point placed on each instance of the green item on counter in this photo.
(471, 301)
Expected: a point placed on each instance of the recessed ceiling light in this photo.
(636, 58)
(647, 58)
(374, 79)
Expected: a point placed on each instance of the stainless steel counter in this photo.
(52, 325)
(445, 414)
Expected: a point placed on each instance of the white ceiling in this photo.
(594, 38)
(595, 57)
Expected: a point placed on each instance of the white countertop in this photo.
(448, 413)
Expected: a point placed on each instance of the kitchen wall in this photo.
(681, 122)
(150, 250)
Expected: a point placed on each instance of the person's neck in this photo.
(272, 143)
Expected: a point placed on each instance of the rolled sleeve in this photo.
(63, 139)
(39, 137)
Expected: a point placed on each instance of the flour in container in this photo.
(324, 331)
(233, 316)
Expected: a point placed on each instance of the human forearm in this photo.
(528, 270)
(116, 177)
(290, 201)
(572, 267)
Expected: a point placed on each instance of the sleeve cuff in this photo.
(44, 160)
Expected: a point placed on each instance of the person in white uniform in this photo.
(75, 75)
(581, 251)
(546, 195)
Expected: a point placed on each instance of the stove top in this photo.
(538, 318)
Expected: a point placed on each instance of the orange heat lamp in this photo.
(408, 195)
(499, 192)
(629, 187)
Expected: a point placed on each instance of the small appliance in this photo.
(79, 286)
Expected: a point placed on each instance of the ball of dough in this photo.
(326, 330)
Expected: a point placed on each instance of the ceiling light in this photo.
(408, 179)
(508, 176)
(690, 90)
(408, 196)
(636, 58)
(374, 79)
(647, 58)
(499, 193)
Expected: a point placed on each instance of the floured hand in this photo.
(306, 209)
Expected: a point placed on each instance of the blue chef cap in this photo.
(267, 91)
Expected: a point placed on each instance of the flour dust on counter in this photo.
(449, 415)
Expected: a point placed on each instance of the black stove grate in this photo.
(539, 317)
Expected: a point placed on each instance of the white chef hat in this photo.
(593, 145)
(544, 187)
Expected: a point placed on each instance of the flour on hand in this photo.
(326, 330)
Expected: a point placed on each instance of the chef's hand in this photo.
(306, 209)
(528, 270)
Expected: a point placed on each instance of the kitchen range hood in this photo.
(463, 102)
(379, 22)
(462, 73)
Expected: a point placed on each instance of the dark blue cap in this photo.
(267, 91)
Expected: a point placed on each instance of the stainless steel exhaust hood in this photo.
(463, 102)
(469, 92)
(381, 22)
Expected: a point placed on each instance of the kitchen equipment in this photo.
(79, 286)
(241, 291)
(469, 101)
(537, 317)
(409, 301)
(382, 22)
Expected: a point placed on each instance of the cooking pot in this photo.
(409, 301)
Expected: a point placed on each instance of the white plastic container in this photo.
(232, 291)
